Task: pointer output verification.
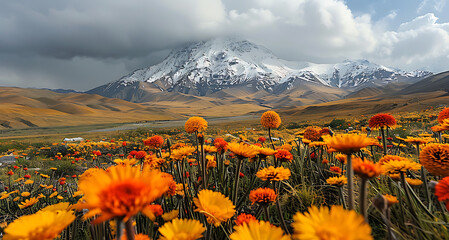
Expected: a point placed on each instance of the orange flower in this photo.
(121, 192)
(347, 143)
(274, 174)
(262, 196)
(155, 141)
(382, 120)
(312, 133)
(244, 218)
(388, 158)
(341, 158)
(391, 199)
(270, 119)
(195, 124)
(284, 155)
(444, 114)
(435, 158)
(156, 209)
(366, 169)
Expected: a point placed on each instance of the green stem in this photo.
(342, 198)
(119, 227)
(350, 176)
(236, 181)
(267, 214)
(363, 202)
(129, 229)
(281, 215)
(384, 142)
(271, 140)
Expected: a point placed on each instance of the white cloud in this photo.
(419, 44)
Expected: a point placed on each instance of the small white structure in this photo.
(73, 139)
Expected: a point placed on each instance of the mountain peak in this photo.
(205, 67)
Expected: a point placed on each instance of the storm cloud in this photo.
(82, 44)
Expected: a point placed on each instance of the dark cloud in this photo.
(81, 44)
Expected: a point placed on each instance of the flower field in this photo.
(376, 177)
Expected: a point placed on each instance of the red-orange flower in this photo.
(382, 120)
(155, 141)
(335, 169)
(442, 191)
(443, 115)
(221, 145)
(366, 169)
(244, 218)
(284, 155)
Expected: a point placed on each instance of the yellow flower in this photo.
(316, 144)
(258, 230)
(393, 167)
(5, 195)
(60, 197)
(43, 225)
(25, 194)
(419, 141)
(195, 124)
(330, 224)
(215, 206)
(337, 181)
(170, 215)
(121, 192)
(210, 149)
(181, 153)
(243, 150)
(29, 182)
(274, 174)
(89, 172)
(347, 143)
(19, 179)
(53, 194)
(264, 152)
(413, 182)
(44, 176)
(182, 229)
(16, 199)
(211, 163)
(28, 203)
(54, 169)
(127, 161)
(77, 193)
(270, 119)
(62, 206)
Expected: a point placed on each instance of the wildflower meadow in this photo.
(378, 177)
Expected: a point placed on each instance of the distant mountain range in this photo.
(208, 68)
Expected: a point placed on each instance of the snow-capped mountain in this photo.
(206, 67)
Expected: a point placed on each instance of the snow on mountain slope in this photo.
(205, 67)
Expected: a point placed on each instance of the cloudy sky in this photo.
(81, 44)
